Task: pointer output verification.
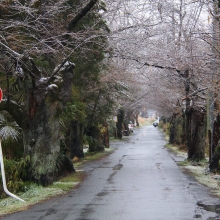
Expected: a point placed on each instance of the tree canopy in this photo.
(67, 67)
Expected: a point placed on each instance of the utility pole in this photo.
(210, 104)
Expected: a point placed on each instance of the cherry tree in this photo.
(163, 43)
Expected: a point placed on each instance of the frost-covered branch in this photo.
(12, 52)
(81, 14)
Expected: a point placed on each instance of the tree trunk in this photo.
(188, 134)
(176, 130)
(172, 131)
(95, 143)
(137, 121)
(195, 133)
(198, 136)
(215, 145)
(184, 132)
(105, 136)
(81, 14)
(41, 142)
(41, 127)
(119, 123)
(75, 140)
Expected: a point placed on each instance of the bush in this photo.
(15, 171)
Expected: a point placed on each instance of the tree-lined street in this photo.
(140, 181)
(77, 73)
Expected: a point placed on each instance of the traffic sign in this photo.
(1, 94)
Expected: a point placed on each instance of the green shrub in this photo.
(15, 171)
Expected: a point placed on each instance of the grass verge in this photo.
(199, 170)
(36, 194)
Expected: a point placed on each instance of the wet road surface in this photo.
(139, 181)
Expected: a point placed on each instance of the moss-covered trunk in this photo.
(95, 139)
(41, 130)
(42, 143)
(198, 135)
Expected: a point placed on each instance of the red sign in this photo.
(1, 95)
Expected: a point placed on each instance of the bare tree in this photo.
(162, 41)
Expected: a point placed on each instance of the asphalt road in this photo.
(139, 181)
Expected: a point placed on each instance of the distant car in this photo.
(155, 124)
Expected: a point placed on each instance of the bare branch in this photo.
(17, 55)
(81, 14)
(14, 109)
(194, 93)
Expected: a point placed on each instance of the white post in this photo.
(3, 176)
